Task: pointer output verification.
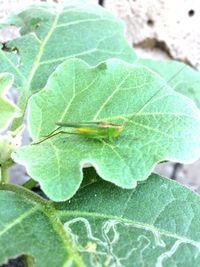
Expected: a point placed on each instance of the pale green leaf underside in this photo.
(181, 77)
(51, 34)
(155, 225)
(8, 110)
(159, 124)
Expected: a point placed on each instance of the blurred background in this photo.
(159, 29)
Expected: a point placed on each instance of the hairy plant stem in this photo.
(4, 176)
(30, 184)
(28, 261)
(22, 104)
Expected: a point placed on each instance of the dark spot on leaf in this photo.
(6, 48)
(35, 23)
(191, 90)
(102, 66)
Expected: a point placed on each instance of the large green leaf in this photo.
(181, 77)
(52, 33)
(29, 227)
(160, 124)
(8, 111)
(156, 225)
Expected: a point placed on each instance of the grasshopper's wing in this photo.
(77, 124)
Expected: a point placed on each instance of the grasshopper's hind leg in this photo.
(54, 134)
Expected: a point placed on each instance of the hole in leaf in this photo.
(150, 22)
(11, 49)
(101, 2)
(191, 13)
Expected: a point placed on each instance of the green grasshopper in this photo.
(96, 130)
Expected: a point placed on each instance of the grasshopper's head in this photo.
(118, 130)
(113, 130)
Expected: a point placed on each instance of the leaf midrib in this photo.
(43, 206)
(43, 43)
(75, 22)
(56, 225)
(41, 50)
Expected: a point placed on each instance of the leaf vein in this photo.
(110, 96)
(41, 50)
(19, 219)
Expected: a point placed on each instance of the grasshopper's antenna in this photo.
(53, 133)
(180, 70)
(170, 79)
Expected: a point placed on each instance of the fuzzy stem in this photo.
(4, 175)
(30, 184)
(28, 261)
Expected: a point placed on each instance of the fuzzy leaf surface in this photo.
(155, 225)
(159, 124)
(29, 227)
(8, 110)
(52, 33)
(181, 77)
(109, 226)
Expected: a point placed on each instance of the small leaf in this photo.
(160, 124)
(156, 225)
(181, 77)
(8, 111)
(51, 34)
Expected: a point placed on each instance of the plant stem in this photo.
(30, 184)
(4, 176)
(23, 100)
(28, 261)
(177, 167)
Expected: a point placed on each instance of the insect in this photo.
(96, 130)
